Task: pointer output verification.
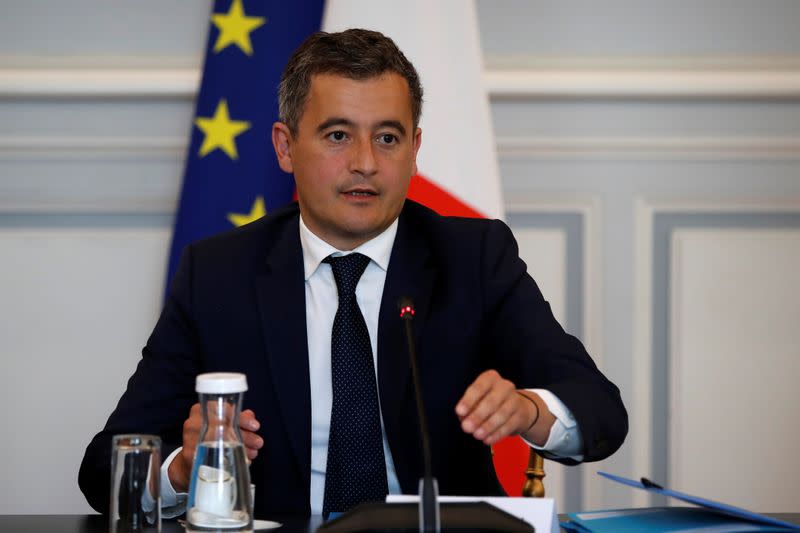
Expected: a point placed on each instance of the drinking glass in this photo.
(135, 492)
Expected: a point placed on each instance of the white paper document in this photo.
(539, 512)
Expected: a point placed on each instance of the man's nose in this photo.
(363, 161)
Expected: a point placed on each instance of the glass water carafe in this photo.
(219, 489)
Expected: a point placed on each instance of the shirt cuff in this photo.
(173, 503)
(565, 438)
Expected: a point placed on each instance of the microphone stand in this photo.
(429, 518)
(425, 516)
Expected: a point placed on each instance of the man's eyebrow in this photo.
(334, 121)
(393, 124)
(341, 121)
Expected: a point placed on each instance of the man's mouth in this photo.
(360, 192)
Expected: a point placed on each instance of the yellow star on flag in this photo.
(258, 210)
(235, 27)
(220, 131)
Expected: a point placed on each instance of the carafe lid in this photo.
(221, 383)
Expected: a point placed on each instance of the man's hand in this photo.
(181, 467)
(492, 409)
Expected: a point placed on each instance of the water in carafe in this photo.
(219, 488)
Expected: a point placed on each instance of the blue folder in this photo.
(711, 516)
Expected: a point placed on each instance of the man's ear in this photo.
(417, 144)
(281, 140)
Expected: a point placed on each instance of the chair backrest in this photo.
(534, 476)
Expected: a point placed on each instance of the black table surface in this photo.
(98, 524)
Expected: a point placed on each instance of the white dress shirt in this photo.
(322, 301)
(321, 304)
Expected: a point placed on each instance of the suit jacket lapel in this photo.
(281, 301)
(411, 273)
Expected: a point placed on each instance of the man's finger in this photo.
(252, 441)
(191, 427)
(475, 392)
(247, 421)
(487, 406)
(501, 432)
(492, 401)
(251, 454)
(496, 418)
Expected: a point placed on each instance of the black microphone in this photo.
(428, 488)
(424, 516)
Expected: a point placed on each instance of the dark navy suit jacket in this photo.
(237, 303)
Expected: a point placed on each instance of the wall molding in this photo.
(91, 148)
(643, 84)
(20, 205)
(518, 83)
(32, 179)
(646, 209)
(82, 83)
(659, 147)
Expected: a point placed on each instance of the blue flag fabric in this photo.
(232, 175)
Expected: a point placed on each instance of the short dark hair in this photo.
(356, 54)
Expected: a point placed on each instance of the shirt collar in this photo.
(315, 250)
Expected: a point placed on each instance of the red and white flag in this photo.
(458, 172)
(457, 162)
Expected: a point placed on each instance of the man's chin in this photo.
(360, 231)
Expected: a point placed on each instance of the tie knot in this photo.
(347, 270)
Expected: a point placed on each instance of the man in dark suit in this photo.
(262, 300)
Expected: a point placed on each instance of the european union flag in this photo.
(232, 176)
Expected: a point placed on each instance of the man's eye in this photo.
(337, 136)
(387, 138)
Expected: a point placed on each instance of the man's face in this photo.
(352, 157)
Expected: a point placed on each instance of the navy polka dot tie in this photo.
(356, 470)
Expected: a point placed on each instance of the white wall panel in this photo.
(102, 33)
(545, 252)
(76, 306)
(528, 31)
(735, 366)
